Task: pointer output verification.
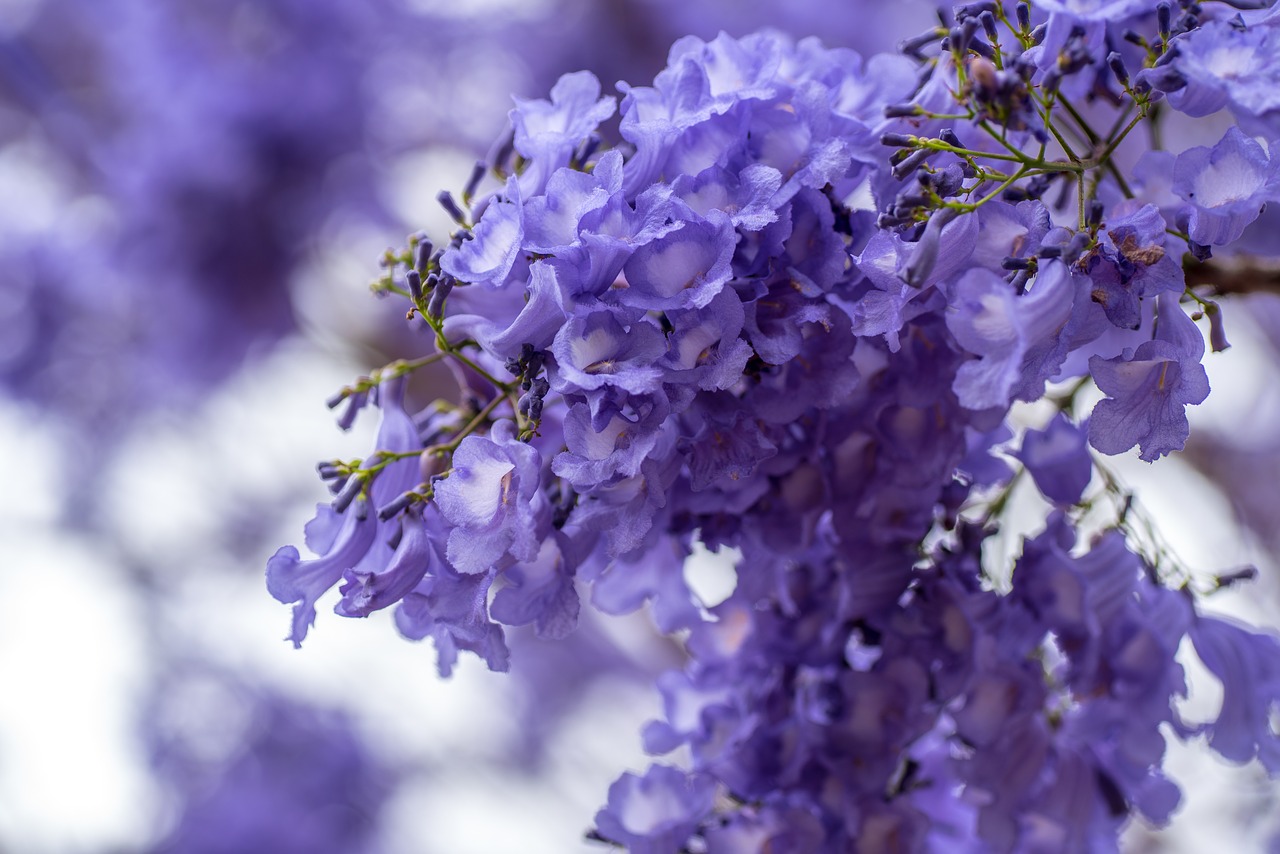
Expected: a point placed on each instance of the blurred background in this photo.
(193, 199)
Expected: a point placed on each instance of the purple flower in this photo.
(1058, 459)
(351, 541)
(605, 349)
(1227, 66)
(452, 610)
(488, 257)
(1148, 389)
(540, 591)
(1226, 186)
(1001, 328)
(685, 268)
(492, 501)
(547, 132)
(1248, 665)
(655, 814)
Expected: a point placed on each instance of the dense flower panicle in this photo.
(703, 333)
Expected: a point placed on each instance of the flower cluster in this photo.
(789, 311)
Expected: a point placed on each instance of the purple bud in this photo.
(355, 403)
(1096, 211)
(445, 198)
(414, 281)
(349, 491)
(469, 190)
(910, 164)
(435, 307)
(422, 256)
(898, 140)
(1051, 80)
(982, 49)
(1217, 331)
(989, 24)
(1116, 63)
(1023, 13)
(502, 150)
(1076, 247)
(1164, 13)
(911, 47)
(395, 507)
(902, 111)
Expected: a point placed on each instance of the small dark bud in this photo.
(477, 175)
(343, 499)
(1217, 331)
(422, 255)
(1133, 37)
(1037, 35)
(967, 31)
(902, 111)
(886, 221)
(1096, 211)
(1164, 17)
(1199, 251)
(911, 47)
(355, 403)
(1019, 281)
(1076, 247)
(1012, 263)
(1052, 80)
(1116, 63)
(1244, 573)
(948, 136)
(898, 140)
(502, 150)
(414, 281)
(982, 49)
(394, 507)
(988, 21)
(911, 164)
(1023, 14)
(435, 306)
(445, 198)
